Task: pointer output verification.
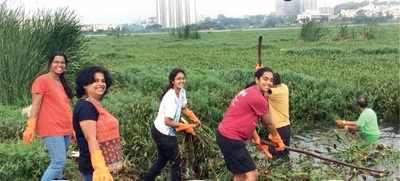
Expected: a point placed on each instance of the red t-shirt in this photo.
(240, 120)
(55, 116)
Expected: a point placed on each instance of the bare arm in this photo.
(268, 124)
(170, 122)
(350, 123)
(273, 134)
(36, 103)
(89, 131)
(29, 133)
(256, 138)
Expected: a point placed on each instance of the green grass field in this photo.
(324, 77)
(222, 63)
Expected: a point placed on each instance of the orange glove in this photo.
(29, 132)
(258, 66)
(264, 149)
(187, 128)
(277, 140)
(341, 123)
(191, 130)
(190, 114)
(101, 171)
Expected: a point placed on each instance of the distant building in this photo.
(312, 15)
(151, 21)
(349, 13)
(161, 12)
(394, 11)
(99, 27)
(372, 10)
(326, 10)
(287, 8)
(308, 5)
(176, 13)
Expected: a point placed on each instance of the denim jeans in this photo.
(57, 147)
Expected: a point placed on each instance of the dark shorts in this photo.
(236, 156)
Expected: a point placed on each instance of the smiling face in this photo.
(179, 81)
(264, 83)
(97, 88)
(58, 65)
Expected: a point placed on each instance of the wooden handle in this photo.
(259, 46)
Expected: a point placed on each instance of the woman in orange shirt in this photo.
(51, 115)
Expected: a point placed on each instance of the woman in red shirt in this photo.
(51, 115)
(239, 125)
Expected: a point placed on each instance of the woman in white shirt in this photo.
(173, 103)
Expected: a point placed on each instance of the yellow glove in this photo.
(190, 114)
(187, 128)
(29, 133)
(101, 171)
(277, 140)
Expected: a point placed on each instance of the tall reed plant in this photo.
(25, 43)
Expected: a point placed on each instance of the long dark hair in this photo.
(258, 74)
(63, 80)
(171, 79)
(277, 79)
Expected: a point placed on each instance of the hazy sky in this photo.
(126, 11)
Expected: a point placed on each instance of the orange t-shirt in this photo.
(55, 116)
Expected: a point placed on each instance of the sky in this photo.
(129, 11)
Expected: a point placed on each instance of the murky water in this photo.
(327, 141)
(390, 136)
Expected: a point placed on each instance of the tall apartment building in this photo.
(287, 8)
(308, 5)
(176, 13)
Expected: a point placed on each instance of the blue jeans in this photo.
(57, 146)
(87, 177)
